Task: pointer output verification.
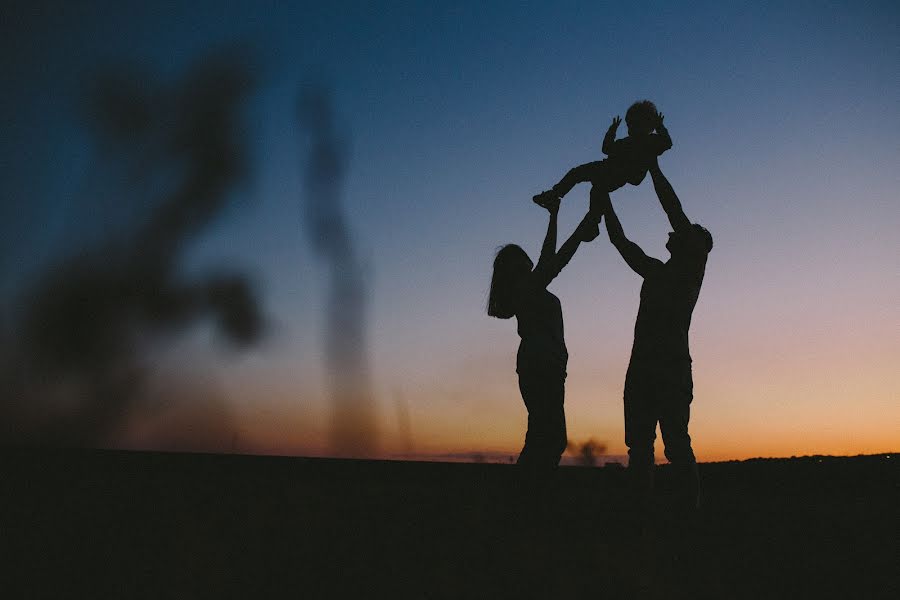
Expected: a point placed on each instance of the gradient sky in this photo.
(785, 122)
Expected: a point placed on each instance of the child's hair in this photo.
(641, 117)
(510, 266)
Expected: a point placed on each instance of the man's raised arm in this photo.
(639, 262)
(668, 199)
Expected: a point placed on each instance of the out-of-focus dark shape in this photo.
(85, 325)
(353, 428)
(184, 413)
(587, 452)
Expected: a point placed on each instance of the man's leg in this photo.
(674, 418)
(673, 424)
(640, 433)
(675, 414)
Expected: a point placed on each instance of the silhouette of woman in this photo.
(518, 288)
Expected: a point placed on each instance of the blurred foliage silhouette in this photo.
(78, 363)
(353, 427)
(588, 452)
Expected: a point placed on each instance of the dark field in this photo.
(151, 525)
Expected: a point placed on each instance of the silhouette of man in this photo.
(658, 385)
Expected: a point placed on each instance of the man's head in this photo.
(641, 118)
(694, 241)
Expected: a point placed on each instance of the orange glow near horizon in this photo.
(498, 429)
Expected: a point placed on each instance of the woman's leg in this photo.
(545, 440)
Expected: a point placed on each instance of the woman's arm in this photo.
(548, 250)
(547, 271)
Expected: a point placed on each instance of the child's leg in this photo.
(592, 171)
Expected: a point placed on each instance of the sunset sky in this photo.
(785, 121)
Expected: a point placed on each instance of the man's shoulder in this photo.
(692, 267)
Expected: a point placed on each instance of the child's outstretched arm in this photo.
(663, 139)
(610, 138)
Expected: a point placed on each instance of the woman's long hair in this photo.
(511, 266)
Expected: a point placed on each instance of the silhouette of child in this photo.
(629, 158)
(518, 288)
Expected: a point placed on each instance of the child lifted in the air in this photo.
(629, 158)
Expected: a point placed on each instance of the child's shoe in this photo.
(546, 199)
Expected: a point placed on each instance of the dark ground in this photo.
(109, 524)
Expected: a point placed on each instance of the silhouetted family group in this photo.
(658, 384)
